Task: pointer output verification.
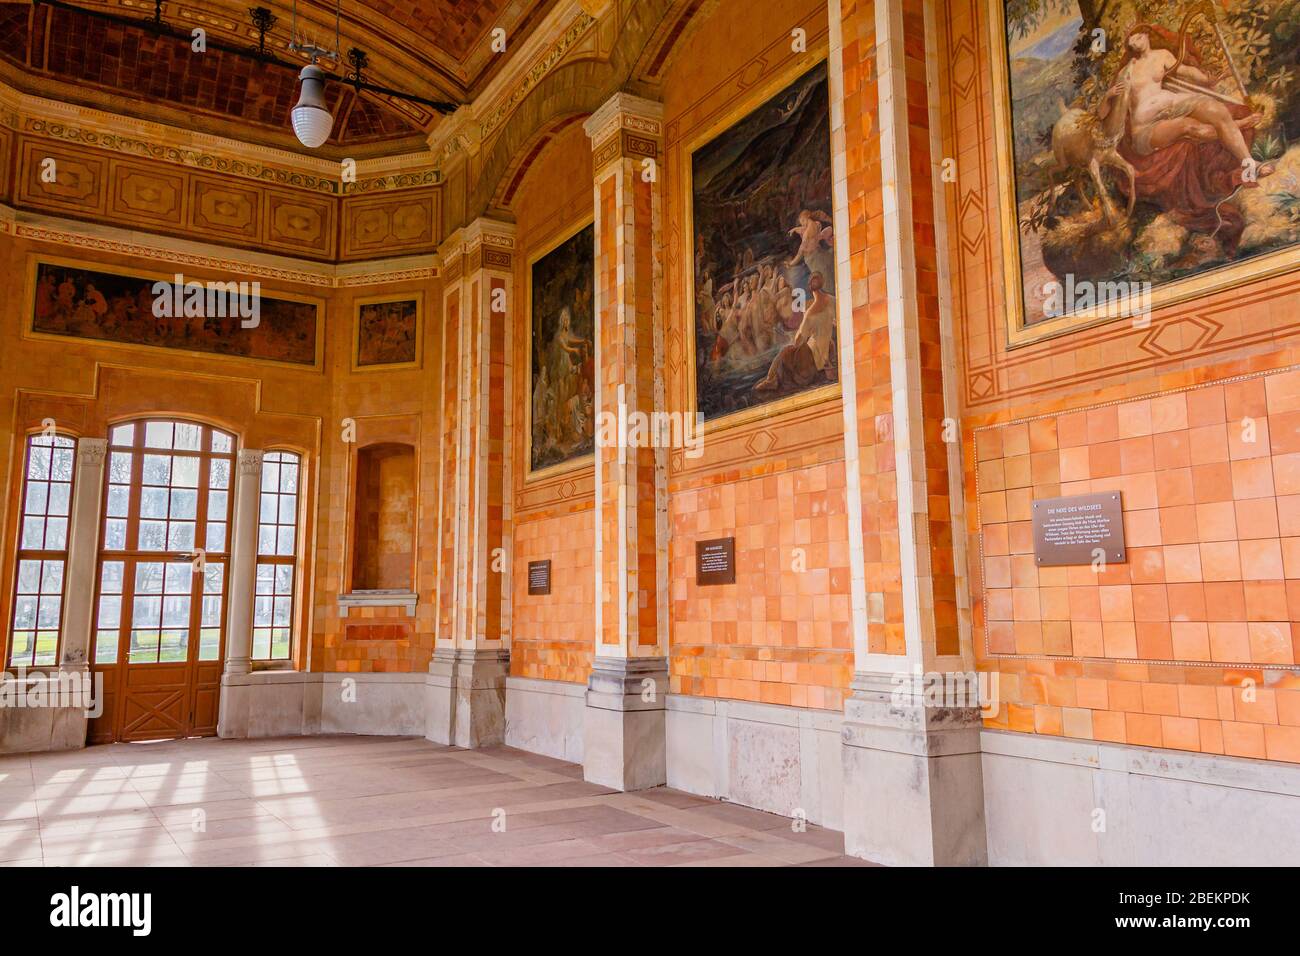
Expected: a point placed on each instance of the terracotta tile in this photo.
(1257, 518)
(1225, 601)
(1182, 563)
(1190, 641)
(1146, 565)
(1119, 638)
(1265, 600)
(1116, 603)
(1172, 450)
(1209, 444)
(1178, 525)
(1103, 424)
(1251, 438)
(1229, 642)
(1142, 528)
(1286, 472)
(1253, 478)
(1154, 640)
(1205, 406)
(1220, 561)
(1270, 643)
(1108, 725)
(1174, 487)
(1169, 413)
(1087, 638)
(1217, 521)
(1212, 482)
(1243, 399)
(1282, 743)
(1143, 730)
(1186, 602)
(1134, 419)
(1243, 740)
(1180, 733)
(1261, 559)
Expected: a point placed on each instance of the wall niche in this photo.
(383, 518)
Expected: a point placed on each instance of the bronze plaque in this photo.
(539, 577)
(1079, 529)
(715, 561)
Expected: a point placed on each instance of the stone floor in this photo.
(366, 801)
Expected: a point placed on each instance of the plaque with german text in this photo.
(715, 561)
(1081, 529)
(539, 577)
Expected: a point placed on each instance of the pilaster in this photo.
(624, 723)
(466, 684)
(912, 777)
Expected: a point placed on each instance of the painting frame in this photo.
(755, 96)
(1019, 334)
(360, 302)
(31, 333)
(549, 245)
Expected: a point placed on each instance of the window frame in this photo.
(41, 555)
(292, 560)
(132, 557)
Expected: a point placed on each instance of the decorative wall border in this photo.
(200, 255)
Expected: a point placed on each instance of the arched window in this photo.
(166, 544)
(277, 557)
(42, 550)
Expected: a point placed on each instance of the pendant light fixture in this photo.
(312, 120)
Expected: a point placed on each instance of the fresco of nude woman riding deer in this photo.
(1151, 144)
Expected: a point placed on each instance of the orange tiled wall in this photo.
(1191, 643)
(552, 636)
(781, 634)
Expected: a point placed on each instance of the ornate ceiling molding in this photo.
(65, 232)
(85, 126)
(549, 60)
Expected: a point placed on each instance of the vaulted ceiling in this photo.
(103, 53)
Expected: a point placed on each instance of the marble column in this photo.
(471, 660)
(241, 583)
(624, 721)
(243, 563)
(913, 792)
(83, 544)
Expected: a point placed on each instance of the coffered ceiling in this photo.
(102, 53)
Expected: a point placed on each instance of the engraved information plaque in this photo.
(1079, 529)
(539, 577)
(715, 561)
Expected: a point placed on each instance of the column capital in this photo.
(483, 244)
(625, 111)
(626, 126)
(250, 461)
(91, 452)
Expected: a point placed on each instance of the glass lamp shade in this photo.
(312, 121)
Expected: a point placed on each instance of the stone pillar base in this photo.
(623, 731)
(913, 790)
(466, 697)
(233, 711)
(45, 710)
